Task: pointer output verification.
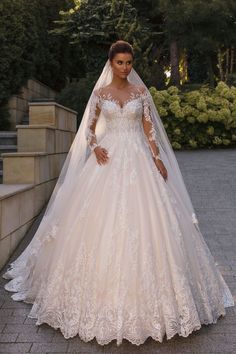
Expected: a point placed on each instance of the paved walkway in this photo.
(210, 179)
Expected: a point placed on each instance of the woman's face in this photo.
(122, 64)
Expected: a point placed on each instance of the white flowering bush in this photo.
(199, 118)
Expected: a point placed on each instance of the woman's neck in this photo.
(119, 83)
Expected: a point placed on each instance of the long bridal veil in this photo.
(79, 153)
(76, 159)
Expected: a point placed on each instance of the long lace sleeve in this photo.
(92, 121)
(148, 126)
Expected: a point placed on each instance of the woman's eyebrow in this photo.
(123, 60)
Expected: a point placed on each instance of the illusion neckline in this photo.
(109, 97)
(117, 102)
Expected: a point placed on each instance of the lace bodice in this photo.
(133, 115)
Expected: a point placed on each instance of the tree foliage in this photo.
(95, 24)
(160, 31)
(27, 49)
(200, 27)
(62, 40)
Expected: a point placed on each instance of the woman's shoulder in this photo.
(101, 90)
(141, 88)
(138, 88)
(96, 92)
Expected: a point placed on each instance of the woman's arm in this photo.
(148, 126)
(95, 109)
(150, 132)
(92, 121)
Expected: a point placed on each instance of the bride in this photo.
(119, 253)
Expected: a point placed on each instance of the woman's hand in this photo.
(101, 155)
(161, 168)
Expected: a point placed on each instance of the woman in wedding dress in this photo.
(119, 253)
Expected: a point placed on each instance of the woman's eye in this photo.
(120, 62)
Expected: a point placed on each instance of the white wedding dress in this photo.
(123, 261)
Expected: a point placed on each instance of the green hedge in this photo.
(202, 118)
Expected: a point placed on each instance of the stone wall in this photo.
(30, 174)
(18, 104)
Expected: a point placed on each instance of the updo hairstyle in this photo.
(120, 46)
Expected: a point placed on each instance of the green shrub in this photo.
(199, 118)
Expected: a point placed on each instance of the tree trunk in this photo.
(232, 60)
(183, 66)
(158, 77)
(227, 65)
(220, 60)
(174, 64)
(210, 72)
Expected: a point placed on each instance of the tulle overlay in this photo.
(125, 260)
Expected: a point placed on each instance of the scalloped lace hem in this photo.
(158, 337)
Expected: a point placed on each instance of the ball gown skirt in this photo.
(123, 261)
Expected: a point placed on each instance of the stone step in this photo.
(8, 138)
(8, 143)
(31, 167)
(42, 100)
(1, 169)
(7, 148)
(25, 120)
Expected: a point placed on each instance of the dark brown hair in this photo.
(120, 46)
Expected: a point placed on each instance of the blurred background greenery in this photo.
(184, 51)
